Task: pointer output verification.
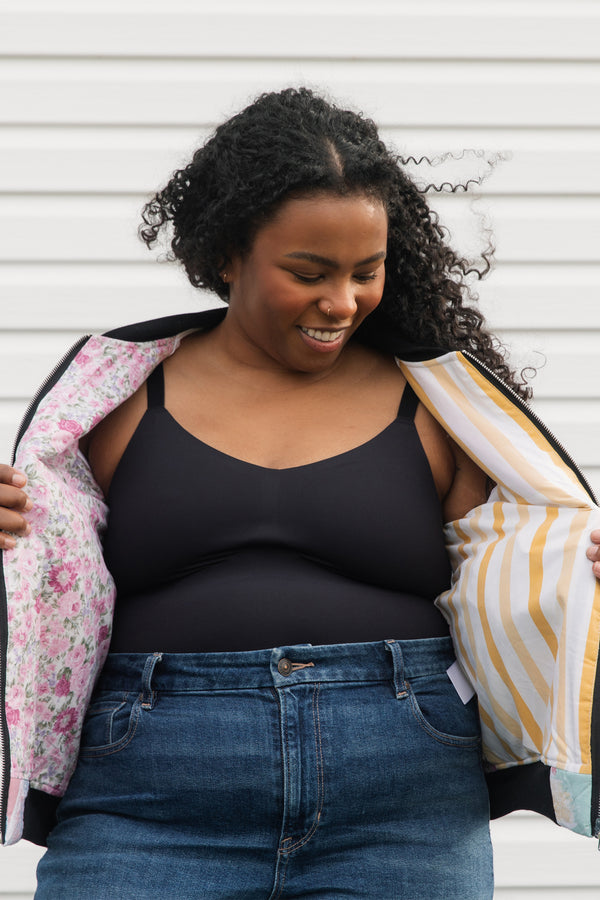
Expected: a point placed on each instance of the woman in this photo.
(281, 714)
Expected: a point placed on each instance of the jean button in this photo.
(284, 666)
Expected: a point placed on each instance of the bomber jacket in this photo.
(523, 605)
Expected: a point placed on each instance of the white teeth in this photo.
(325, 336)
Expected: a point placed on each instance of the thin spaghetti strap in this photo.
(155, 386)
(408, 403)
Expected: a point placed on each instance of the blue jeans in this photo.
(351, 770)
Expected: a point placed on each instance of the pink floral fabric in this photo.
(60, 594)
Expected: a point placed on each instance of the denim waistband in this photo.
(278, 667)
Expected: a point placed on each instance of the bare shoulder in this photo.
(105, 445)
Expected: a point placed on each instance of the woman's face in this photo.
(314, 272)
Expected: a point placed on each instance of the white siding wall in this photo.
(99, 101)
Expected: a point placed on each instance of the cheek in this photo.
(372, 299)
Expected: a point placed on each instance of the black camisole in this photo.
(211, 553)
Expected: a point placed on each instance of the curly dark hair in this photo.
(294, 143)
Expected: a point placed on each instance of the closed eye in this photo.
(364, 278)
(307, 279)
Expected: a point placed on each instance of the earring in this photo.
(224, 276)
(328, 313)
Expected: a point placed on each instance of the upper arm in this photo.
(105, 444)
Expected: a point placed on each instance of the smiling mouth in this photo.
(325, 336)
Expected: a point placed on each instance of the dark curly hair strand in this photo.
(294, 143)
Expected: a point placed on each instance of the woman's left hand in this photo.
(593, 552)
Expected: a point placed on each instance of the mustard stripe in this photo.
(517, 415)
(480, 675)
(518, 645)
(536, 577)
(588, 679)
(509, 752)
(525, 714)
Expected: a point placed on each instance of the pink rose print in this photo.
(63, 687)
(103, 633)
(12, 715)
(70, 426)
(65, 721)
(63, 577)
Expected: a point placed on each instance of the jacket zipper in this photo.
(46, 385)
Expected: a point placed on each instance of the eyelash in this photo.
(313, 279)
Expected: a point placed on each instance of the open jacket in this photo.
(523, 606)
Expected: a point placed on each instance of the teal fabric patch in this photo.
(572, 796)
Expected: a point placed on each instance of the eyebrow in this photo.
(331, 263)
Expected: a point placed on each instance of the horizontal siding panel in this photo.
(470, 31)
(533, 296)
(93, 297)
(124, 160)
(568, 363)
(82, 298)
(200, 92)
(104, 229)
(110, 163)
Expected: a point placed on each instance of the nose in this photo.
(339, 301)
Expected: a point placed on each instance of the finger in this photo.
(14, 498)
(595, 536)
(13, 522)
(10, 475)
(596, 569)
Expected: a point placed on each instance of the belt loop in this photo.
(148, 695)
(398, 660)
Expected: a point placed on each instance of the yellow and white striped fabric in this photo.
(524, 606)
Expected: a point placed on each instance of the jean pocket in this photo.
(110, 723)
(441, 713)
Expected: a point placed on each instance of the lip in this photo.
(323, 346)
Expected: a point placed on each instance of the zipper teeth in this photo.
(43, 389)
(529, 412)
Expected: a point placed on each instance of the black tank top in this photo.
(211, 553)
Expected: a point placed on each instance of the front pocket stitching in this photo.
(441, 737)
(108, 749)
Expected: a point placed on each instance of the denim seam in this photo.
(320, 775)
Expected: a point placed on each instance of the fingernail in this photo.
(28, 504)
(19, 480)
(9, 543)
(28, 529)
